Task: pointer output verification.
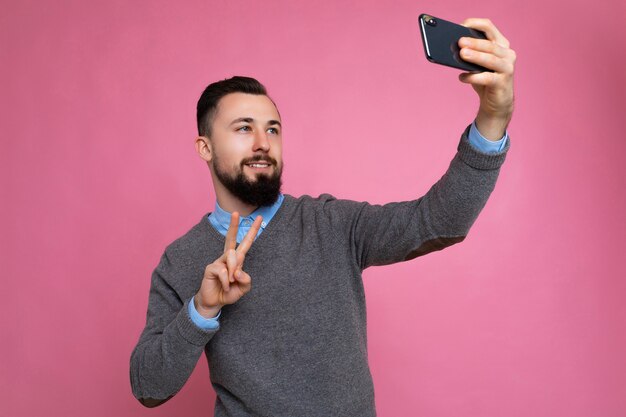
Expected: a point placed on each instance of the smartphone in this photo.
(441, 42)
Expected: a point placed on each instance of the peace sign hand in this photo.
(224, 280)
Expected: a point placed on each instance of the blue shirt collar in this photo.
(222, 217)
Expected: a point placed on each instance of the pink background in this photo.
(98, 172)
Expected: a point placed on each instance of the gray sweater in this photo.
(296, 345)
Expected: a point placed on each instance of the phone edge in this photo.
(424, 41)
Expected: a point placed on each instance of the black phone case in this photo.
(441, 42)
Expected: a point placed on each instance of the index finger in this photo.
(247, 241)
(487, 26)
(231, 235)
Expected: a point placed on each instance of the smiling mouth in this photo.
(260, 163)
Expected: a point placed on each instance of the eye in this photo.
(244, 128)
(273, 131)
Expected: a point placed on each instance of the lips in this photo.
(259, 162)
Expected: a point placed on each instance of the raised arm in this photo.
(401, 231)
(395, 232)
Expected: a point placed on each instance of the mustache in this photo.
(257, 158)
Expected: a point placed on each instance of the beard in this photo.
(263, 191)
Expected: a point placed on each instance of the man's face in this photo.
(246, 140)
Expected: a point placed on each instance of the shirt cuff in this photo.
(202, 322)
(479, 142)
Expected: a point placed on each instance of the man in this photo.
(286, 335)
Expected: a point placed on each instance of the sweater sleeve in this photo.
(395, 232)
(169, 346)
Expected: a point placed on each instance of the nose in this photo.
(261, 142)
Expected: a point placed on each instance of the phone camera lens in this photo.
(431, 22)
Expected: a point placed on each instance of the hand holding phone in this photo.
(441, 42)
(489, 60)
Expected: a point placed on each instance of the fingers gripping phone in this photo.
(441, 42)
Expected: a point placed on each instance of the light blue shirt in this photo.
(220, 219)
(483, 144)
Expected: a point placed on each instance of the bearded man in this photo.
(286, 336)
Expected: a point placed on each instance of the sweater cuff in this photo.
(477, 159)
(190, 331)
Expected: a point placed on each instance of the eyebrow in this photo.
(251, 120)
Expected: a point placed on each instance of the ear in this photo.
(204, 148)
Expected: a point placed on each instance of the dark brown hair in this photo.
(207, 104)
